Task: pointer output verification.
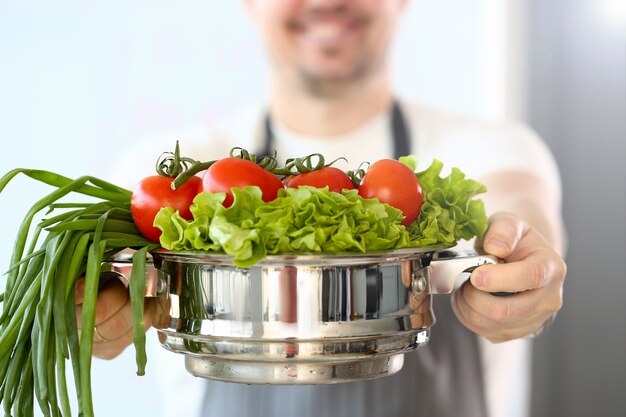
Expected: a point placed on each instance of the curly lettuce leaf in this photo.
(216, 228)
(308, 219)
(450, 211)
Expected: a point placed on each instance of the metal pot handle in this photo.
(449, 269)
(120, 267)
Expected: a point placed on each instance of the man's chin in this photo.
(331, 84)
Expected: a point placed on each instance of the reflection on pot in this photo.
(295, 323)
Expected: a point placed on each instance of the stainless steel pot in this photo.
(301, 319)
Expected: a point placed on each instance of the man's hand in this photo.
(114, 322)
(532, 270)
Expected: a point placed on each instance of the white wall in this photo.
(80, 80)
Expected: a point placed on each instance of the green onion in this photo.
(137, 289)
(38, 326)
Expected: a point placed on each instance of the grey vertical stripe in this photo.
(443, 379)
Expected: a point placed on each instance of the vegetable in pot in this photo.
(156, 191)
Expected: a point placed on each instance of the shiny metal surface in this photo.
(450, 269)
(298, 319)
(305, 319)
(294, 372)
(120, 267)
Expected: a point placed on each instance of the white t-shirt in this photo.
(477, 147)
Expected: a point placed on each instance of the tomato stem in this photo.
(357, 175)
(171, 164)
(309, 163)
(184, 176)
(267, 162)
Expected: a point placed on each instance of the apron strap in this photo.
(399, 132)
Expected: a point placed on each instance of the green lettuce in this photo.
(299, 220)
(216, 228)
(450, 211)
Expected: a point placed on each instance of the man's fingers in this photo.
(512, 277)
(518, 308)
(503, 234)
(110, 349)
(508, 317)
(491, 323)
(114, 320)
(113, 327)
(536, 271)
(120, 324)
(111, 299)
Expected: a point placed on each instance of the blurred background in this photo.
(81, 81)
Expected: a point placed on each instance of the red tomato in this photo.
(394, 183)
(155, 192)
(230, 173)
(331, 177)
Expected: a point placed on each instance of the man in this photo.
(330, 92)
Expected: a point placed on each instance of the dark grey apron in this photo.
(443, 379)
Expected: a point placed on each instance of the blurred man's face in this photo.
(326, 44)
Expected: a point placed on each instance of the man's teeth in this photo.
(324, 31)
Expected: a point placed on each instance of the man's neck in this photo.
(309, 114)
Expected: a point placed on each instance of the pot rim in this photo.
(304, 259)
